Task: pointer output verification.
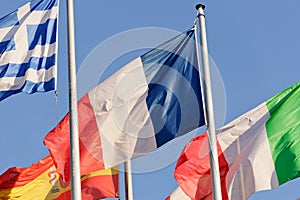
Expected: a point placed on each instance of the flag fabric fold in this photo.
(178, 194)
(41, 181)
(146, 103)
(257, 151)
(28, 49)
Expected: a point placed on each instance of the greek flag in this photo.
(28, 49)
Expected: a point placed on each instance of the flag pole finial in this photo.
(200, 5)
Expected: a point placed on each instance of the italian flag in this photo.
(259, 150)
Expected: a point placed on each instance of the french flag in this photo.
(148, 102)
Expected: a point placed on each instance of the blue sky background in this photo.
(255, 45)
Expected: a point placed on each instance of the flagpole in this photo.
(128, 180)
(209, 109)
(74, 136)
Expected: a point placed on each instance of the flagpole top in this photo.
(200, 6)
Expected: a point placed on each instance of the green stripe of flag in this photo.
(283, 130)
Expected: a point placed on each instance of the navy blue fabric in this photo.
(42, 34)
(43, 4)
(7, 46)
(174, 96)
(17, 70)
(30, 88)
(9, 20)
(12, 18)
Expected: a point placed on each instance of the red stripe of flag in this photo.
(89, 136)
(96, 187)
(192, 170)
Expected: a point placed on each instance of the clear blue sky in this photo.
(255, 45)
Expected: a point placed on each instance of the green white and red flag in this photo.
(259, 150)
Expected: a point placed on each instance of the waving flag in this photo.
(28, 49)
(259, 150)
(41, 181)
(145, 104)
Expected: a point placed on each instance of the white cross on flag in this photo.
(28, 49)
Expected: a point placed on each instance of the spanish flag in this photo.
(41, 181)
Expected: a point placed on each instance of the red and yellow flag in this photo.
(41, 181)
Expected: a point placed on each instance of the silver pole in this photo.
(128, 180)
(74, 138)
(209, 109)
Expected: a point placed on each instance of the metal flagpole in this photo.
(128, 180)
(209, 109)
(74, 139)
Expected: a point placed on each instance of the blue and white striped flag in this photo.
(28, 50)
